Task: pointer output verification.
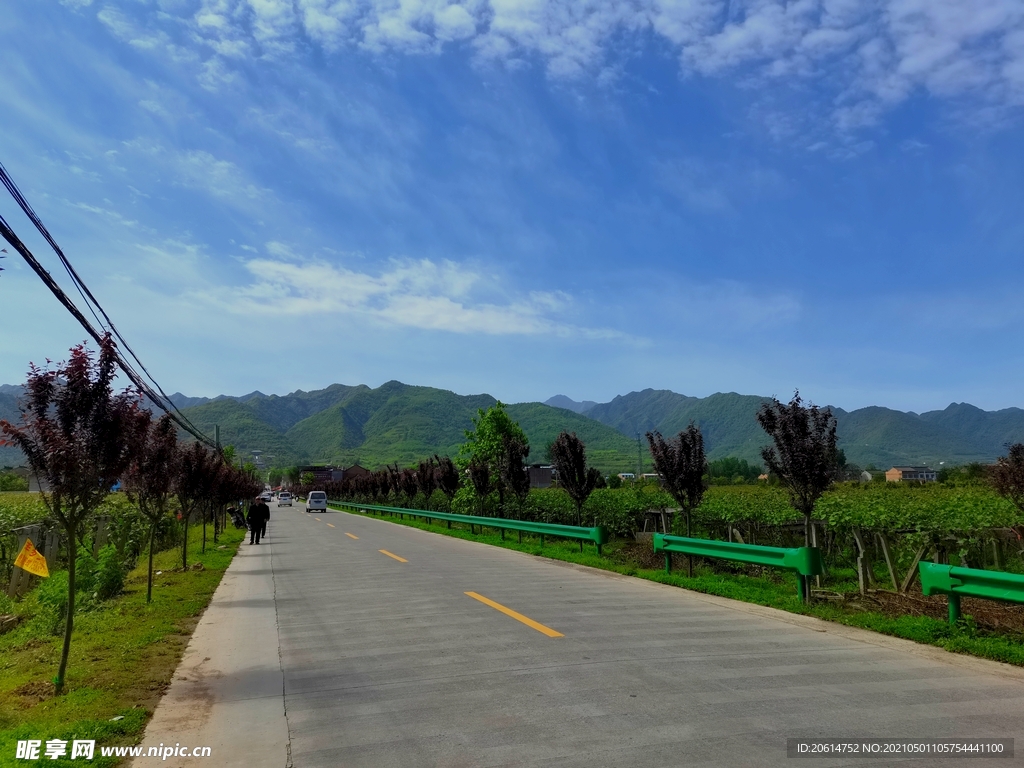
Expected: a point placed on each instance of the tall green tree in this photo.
(76, 435)
(569, 457)
(486, 441)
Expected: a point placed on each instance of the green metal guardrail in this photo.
(955, 582)
(597, 534)
(804, 561)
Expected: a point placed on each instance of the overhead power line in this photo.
(151, 390)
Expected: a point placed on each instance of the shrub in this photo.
(110, 573)
(52, 596)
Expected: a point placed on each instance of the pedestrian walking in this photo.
(259, 512)
(266, 519)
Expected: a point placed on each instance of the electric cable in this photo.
(82, 288)
(15, 242)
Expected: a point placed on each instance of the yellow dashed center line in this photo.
(317, 519)
(329, 525)
(517, 616)
(351, 536)
(399, 559)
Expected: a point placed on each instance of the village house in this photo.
(911, 474)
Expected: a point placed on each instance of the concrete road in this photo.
(344, 641)
(388, 661)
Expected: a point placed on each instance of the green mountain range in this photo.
(401, 423)
(882, 437)
(394, 422)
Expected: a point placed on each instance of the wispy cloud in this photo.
(422, 294)
(201, 170)
(866, 56)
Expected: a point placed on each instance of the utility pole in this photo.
(639, 459)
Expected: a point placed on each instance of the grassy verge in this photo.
(771, 588)
(123, 655)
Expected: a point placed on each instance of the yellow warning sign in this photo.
(30, 560)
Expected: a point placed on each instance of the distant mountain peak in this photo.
(561, 401)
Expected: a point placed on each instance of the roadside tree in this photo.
(485, 442)
(409, 486)
(569, 457)
(448, 478)
(682, 465)
(149, 481)
(1007, 476)
(192, 487)
(76, 435)
(480, 477)
(426, 480)
(804, 457)
(515, 476)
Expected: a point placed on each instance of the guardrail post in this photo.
(954, 607)
(542, 539)
(801, 587)
(668, 562)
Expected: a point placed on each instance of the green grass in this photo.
(773, 589)
(123, 655)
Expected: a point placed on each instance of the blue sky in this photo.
(529, 197)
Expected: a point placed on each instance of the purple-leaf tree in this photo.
(569, 456)
(192, 487)
(515, 475)
(76, 435)
(448, 478)
(149, 481)
(804, 456)
(681, 464)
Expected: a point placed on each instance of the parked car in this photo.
(284, 499)
(317, 500)
(266, 496)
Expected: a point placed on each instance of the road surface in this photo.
(372, 644)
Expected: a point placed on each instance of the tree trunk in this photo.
(149, 580)
(206, 510)
(69, 623)
(184, 543)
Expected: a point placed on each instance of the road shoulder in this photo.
(228, 691)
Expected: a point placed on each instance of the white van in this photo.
(317, 500)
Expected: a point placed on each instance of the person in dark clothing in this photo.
(259, 512)
(266, 519)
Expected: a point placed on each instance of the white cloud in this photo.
(867, 55)
(418, 294)
(107, 213)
